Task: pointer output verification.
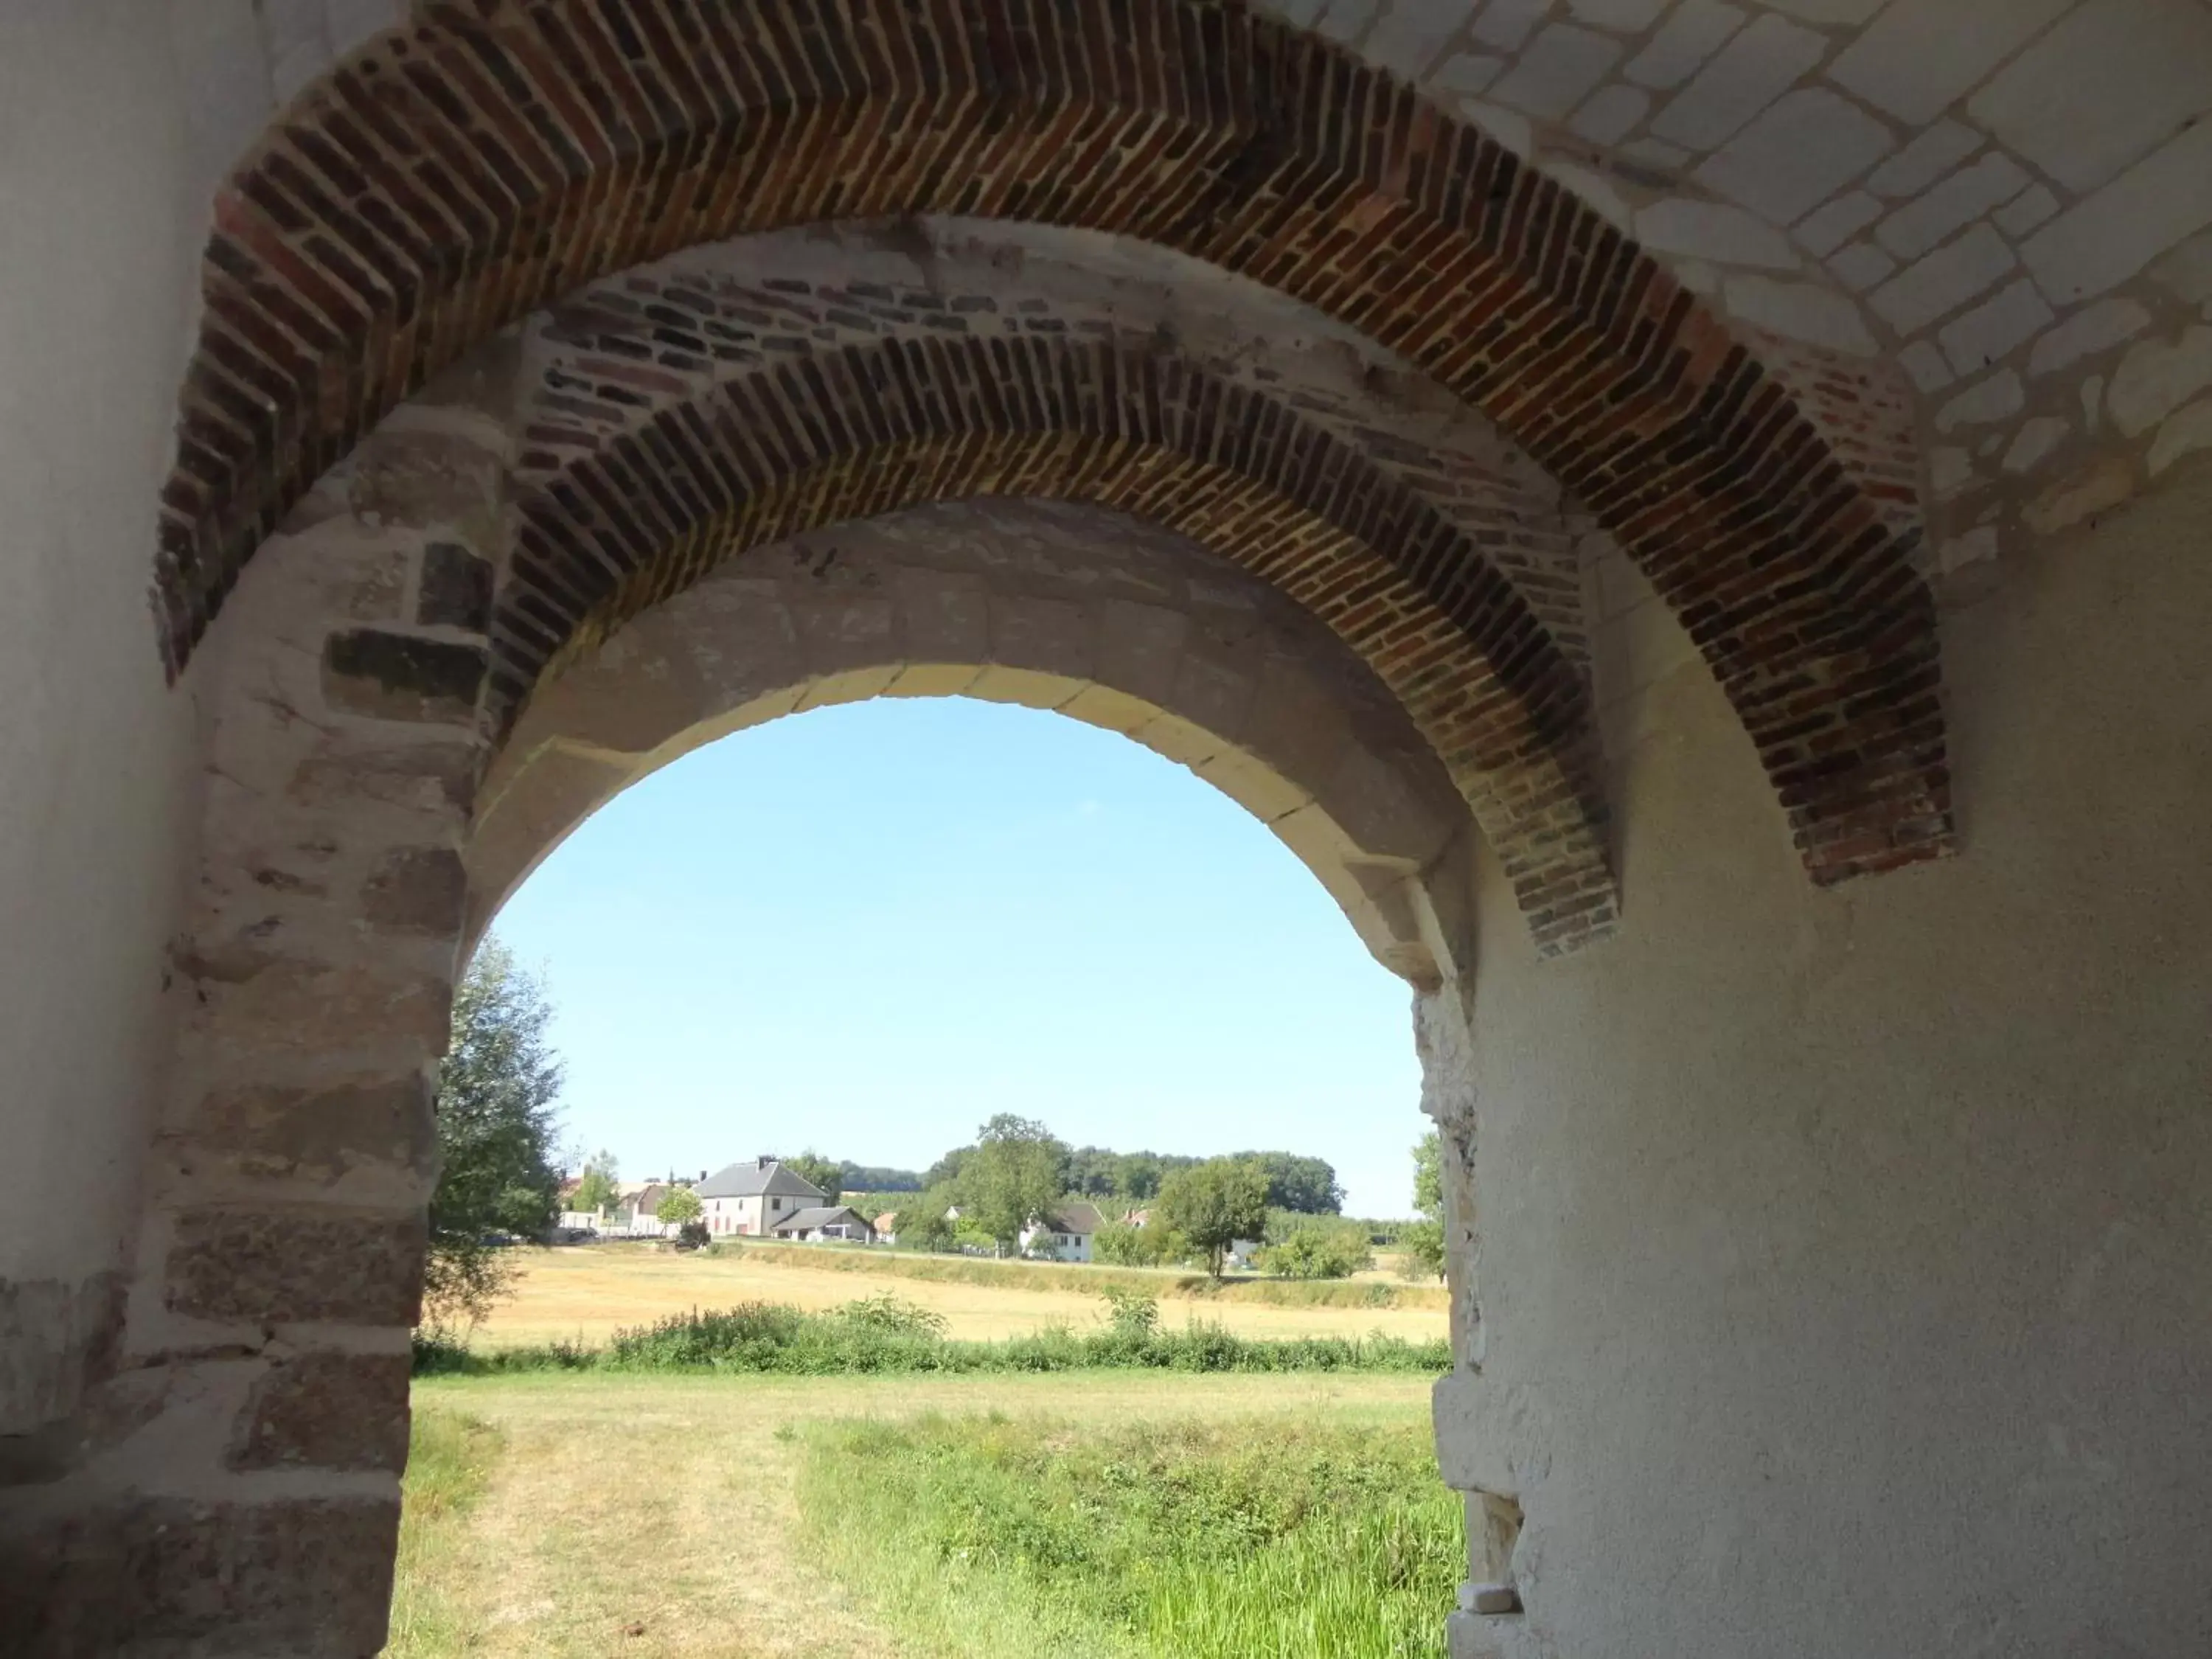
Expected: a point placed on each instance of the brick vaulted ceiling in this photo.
(493, 157)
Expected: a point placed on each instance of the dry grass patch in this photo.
(588, 1292)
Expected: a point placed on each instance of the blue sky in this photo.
(865, 929)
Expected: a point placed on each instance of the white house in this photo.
(822, 1223)
(634, 1216)
(749, 1199)
(1065, 1232)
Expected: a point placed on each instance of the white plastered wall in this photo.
(102, 216)
(1843, 1255)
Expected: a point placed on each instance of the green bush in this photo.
(885, 1311)
(884, 1334)
(1131, 1313)
(1314, 1253)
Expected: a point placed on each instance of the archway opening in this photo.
(860, 931)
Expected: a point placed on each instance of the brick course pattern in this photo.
(850, 434)
(460, 172)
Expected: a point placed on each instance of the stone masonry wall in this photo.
(233, 1486)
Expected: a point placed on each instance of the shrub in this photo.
(1424, 1246)
(692, 1236)
(1314, 1253)
(885, 1334)
(1131, 1314)
(895, 1313)
(1125, 1246)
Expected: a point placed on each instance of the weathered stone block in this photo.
(320, 1133)
(418, 890)
(297, 1265)
(288, 1004)
(332, 1411)
(455, 590)
(309, 1578)
(398, 677)
(430, 777)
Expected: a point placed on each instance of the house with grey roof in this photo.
(747, 1199)
(826, 1224)
(1065, 1232)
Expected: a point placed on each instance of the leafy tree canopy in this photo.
(922, 1224)
(681, 1205)
(497, 1087)
(1423, 1242)
(1216, 1204)
(600, 1186)
(1308, 1185)
(827, 1173)
(877, 1178)
(1017, 1170)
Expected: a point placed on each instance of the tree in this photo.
(682, 1205)
(923, 1224)
(598, 1189)
(1094, 1172)
(1213, 1205)
(1308, 1185)
(1017, 1171)
(827, 1173)
(1126, 1246)
(877, 1178)
(1423, 1242)
(1139, 1177)
(946, 1169)
(1429, 1176)
(496, 1088)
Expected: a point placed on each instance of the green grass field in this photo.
(1094, 1514)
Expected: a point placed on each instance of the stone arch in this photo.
(1087, 612)
(245, 1475)
(847, 433)
(461, 171)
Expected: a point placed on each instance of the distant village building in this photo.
(824, 1222)
(1065, 1232)
(748, 1197)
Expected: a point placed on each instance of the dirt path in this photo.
(649, 1517)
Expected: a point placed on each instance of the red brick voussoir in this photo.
(494, 154)
(855, 432)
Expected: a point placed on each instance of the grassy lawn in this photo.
(568, 1515)
(587, 1291)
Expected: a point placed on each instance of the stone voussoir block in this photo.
(332, 1411)
(310, 1578)
(321, 1133)
(297, 1264)
(402, 677)
(417, 889)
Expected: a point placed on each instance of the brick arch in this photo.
(493, 155)
(850, 433)
(1088, 613)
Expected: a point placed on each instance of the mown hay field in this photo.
(588, 1292)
